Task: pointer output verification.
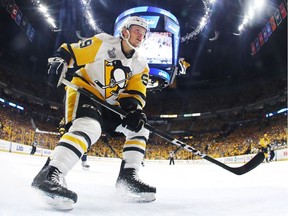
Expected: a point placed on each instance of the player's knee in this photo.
(142, 133)
(89, 126)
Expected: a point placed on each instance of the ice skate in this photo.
(51, 182)
(132, 188)
(85, 165)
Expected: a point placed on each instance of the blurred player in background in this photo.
(263, 146)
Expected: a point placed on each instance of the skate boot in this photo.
(85, 165)
(51, 182)
(132, 188)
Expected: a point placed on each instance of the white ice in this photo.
(182, 189)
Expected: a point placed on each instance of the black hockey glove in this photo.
(57, 68)
(134, 120)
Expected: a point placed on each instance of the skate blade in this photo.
(137, 197)
(56, 202)
(86, 167)
(59, 203)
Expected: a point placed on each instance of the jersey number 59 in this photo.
(86, 43)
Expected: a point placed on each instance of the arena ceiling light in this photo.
(203, 21)
(87, 13)
(254, 7)
(45, 13)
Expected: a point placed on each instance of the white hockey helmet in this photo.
(135, 20)
(130, 21)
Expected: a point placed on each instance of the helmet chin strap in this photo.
(127, 41)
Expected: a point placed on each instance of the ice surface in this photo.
(182, 189)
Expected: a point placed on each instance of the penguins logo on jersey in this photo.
(116, 77)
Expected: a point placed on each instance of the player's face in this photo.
(137, 35)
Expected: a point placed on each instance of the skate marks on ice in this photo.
(198, 190)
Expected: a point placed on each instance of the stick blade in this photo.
(250, 165)
(253, 163)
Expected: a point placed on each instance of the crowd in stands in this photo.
(219, 134)
(16, 127)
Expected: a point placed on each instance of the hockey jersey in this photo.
(109, 73)
(264, 142)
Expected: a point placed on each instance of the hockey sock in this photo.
(68, 152)
(133, 153)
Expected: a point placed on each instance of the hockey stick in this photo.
(41, 131)
(113, 150)
(47, 132)
(177, 150)
(33, 124)
(254, 162)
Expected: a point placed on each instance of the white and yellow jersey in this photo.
(109, 73)
(264, 142)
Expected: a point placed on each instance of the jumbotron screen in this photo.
(158, 48)
(164, 26)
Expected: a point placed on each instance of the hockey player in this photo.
(263, 146)
(84, 163)
(114, 71)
